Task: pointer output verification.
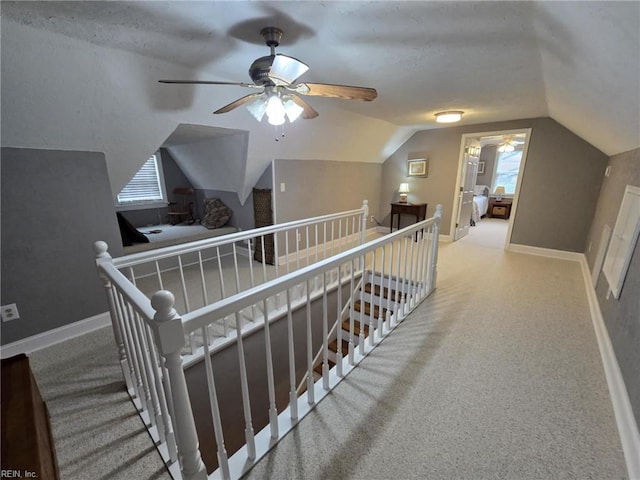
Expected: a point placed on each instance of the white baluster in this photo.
(352, 310)
(293, 396)
(325, 334)
(273, 412)
(339, 323)
(362, 315)
(244, 385)
(310, 382)
(223, 460)
(102, 256)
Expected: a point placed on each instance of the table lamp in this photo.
(404, 189)
(500, 191)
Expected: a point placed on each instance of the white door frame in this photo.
(514, 205)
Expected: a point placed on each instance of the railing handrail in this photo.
(201, 317)
(173, 250)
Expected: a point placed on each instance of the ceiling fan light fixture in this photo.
(275, 110)
(292, 109)
(451, 116)
(257, 108)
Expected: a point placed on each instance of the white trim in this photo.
(625, 420)
(445, 238)
(55, 336)
(545, 252)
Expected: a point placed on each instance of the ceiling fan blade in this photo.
(285, 70)
(237, 103)
(307, 110)
(336, 91)
(205, 82)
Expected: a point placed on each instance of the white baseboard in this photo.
(625, 420)
(545, 252)
(57, 335)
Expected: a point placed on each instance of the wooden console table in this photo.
(418, 210)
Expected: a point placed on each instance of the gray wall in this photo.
(559, 191)
(316, 187)
(620, 315)
(55, 204)
(488, 156)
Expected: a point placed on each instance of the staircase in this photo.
(376, 305)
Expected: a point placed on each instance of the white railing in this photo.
(203, 272)
(254, 375)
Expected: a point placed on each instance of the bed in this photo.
(480, 203)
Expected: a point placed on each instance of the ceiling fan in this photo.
(275, 76)
(509, 145)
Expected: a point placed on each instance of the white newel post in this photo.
(102, 256)
(365, 215)
(434, 246)
(169, 337)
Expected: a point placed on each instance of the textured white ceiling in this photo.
(577, 62)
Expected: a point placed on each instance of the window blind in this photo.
(144, 186)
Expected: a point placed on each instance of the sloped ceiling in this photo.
(94, 65)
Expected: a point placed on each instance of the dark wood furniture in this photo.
(27, 443)
(181, 209)
(499, 208)
(418, 210)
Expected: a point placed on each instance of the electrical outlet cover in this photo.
(9, 312)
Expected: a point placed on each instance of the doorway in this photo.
(496, 184)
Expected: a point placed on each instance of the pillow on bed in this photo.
(480, 189)
(216, 213)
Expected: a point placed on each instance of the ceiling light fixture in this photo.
(449, 117)
(276, 107)
(508, 145)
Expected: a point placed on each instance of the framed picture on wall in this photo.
(480, 167)
(418, 167)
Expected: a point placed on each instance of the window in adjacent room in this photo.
(507, 168)
(146, 188)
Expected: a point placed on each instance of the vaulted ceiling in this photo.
(577, 62)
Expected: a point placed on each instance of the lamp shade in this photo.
(404, 189)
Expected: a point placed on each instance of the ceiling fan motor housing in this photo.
(259, 70)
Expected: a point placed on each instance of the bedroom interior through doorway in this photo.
(490, 142)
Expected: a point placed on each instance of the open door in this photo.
(468, 174)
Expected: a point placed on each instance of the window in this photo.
(146, 187)
(507, 169)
